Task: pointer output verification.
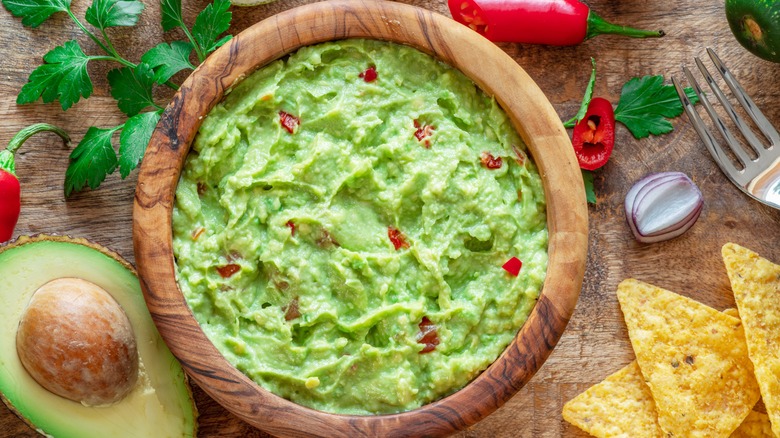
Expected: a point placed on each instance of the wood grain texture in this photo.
(595, 343)
(498, 75)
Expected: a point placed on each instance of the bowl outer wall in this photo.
(492, 70)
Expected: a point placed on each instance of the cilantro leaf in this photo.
(646, 104)
(110, 13)
(168, 59)
(590, 191)
(132, 88)
(133, 140)
(213, 20)
(63, 76)
(91, 161)
(585, 99)
(171, 14)
(35, 12)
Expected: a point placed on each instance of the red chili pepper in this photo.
(594, 135)
(423, 132)
(228, 270)
(427, 336)
(490, 162)
(551, 22)
(369, 75)
(289, 121)
(513, 266)
(398, 239)
(10, 190)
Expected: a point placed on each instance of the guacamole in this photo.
(349, 226)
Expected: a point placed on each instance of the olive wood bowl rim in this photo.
(497, 74)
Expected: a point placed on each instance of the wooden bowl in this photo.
(487, 65)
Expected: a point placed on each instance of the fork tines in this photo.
(763, 153)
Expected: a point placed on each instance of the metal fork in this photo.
(758, 177)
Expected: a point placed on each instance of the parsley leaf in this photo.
(168, 59)
(35, 12)
(590, 191)
(91, 161)
(213, 20)
(110, 13)
(63, 76)
(646, 104)
(171, 14)
(133, 140)
(132, 88)
(585, 99)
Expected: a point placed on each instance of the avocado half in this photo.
(756, 25)
(159, 405)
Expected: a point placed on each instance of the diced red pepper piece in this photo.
(423, 132)
(594, 136)
(291, 310)
(491, 162)
(292, 227)
(369, 75)
(428, 335)
(228, 270)
(513, 266)
(398, 239)
(289, 121)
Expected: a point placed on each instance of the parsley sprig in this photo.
(63, 76)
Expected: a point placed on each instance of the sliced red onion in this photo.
(662, 206)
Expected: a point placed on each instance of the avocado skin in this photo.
(756, 25)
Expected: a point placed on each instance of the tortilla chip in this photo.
(731, 312)
(756, 285)
(756, 425)
(619, 406)
(693, 358)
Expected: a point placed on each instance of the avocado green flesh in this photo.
(305, 216)
(160, 405)
(756, 25)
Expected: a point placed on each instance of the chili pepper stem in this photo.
(599, 26)
(7, 155)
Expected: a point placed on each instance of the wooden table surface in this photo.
(595, 343)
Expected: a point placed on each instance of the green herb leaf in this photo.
(63, 76)
(132, 88)
(212, 21)
(585, 99)
(646, 104)
(91, 161)
(168, 59)
(171, 14)
(590, 191)
(35, 12)
(134, 139)
(111, 13)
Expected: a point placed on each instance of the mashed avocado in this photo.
(341, 225)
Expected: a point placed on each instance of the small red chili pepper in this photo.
(423, 132)
(513, 266)
(594, 135)
(228, 270)
(427, 336)
(551, 22)
(398, 239)
(289, 121)
(490, 162)
(10, 190)
(292, 311)
(369, 75)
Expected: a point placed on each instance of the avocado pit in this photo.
(75, 340)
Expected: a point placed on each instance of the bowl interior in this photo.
(491, 69)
